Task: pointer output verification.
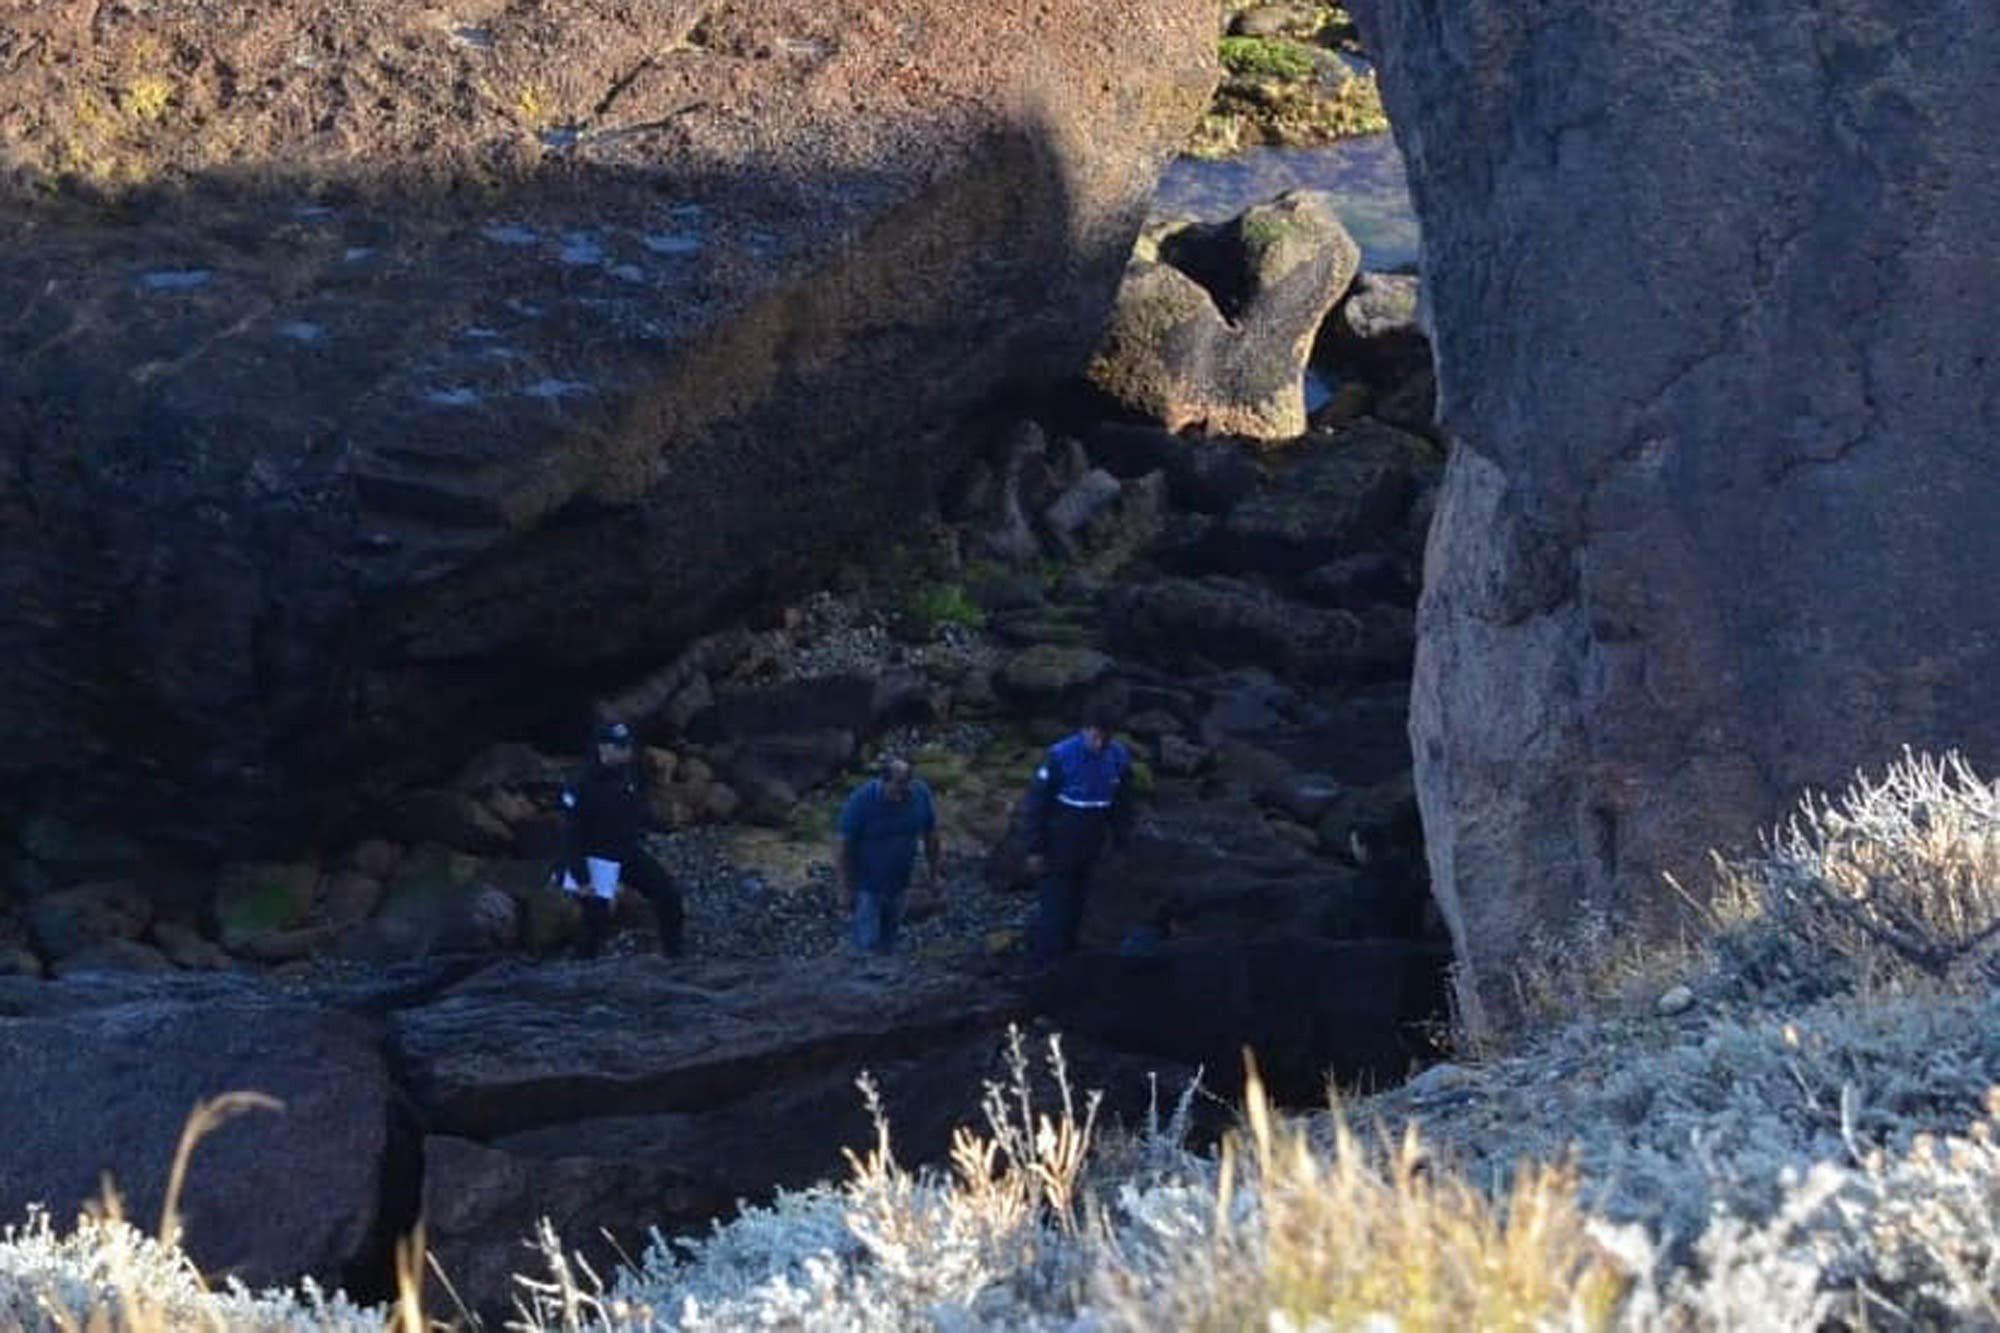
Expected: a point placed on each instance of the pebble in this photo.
(1266, 21)
(1440, 1078)
(1676, 1001)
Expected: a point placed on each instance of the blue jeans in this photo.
(878, 908)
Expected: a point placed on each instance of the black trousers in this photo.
(648, 877)
(1059, 911)
(1076, 838)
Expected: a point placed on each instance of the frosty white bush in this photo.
(1896, 879)
(1893, 883)
(107, 1276)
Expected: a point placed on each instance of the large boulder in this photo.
(95, 1090)
(632, 1093)
(1716, 355)
(521, 1046)
(1213, 329)
(1196, 624)
(604, 1182)
(376, 382)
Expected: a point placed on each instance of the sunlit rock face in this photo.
(1712, 297)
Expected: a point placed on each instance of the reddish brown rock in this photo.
(362, 405)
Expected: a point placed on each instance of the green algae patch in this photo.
(1267, 57)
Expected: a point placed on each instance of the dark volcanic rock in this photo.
(381, 421)
(1218, 867)
(1717, 358)
(621, 1176)
(1356, 579)
(1305, 1009)
(1205, 476)
(519, 1047)
(483, 1206)
(70, 920)
(1198, 624)
(862, 704)
(1347, 497)
(1377, 329)
(112, 956)
(270, 1196)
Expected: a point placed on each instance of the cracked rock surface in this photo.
(1715, 354)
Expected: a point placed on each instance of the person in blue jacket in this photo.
(881, 825)
(1075, 805)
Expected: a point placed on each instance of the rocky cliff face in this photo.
(372, 380)
(1712, 291)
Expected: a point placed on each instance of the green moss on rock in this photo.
(1271, 57)
(429, 876)
(256, 899)
(1292, 88)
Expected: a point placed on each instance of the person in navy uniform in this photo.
(882, 824)
(1076, 803)
(604, 811)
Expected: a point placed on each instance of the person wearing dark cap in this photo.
(604, 811)
(1076, 803)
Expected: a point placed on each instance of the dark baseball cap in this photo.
(614, 733)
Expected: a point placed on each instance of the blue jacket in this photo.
(1076, 798)
(883, 835)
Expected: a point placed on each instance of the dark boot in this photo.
(595, 927)
(673, 924)
(650, 878)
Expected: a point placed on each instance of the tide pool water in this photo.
(1365, 176)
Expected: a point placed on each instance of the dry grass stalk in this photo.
(1304, 1235)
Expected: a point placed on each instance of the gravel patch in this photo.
(734, 913)
(836, 636)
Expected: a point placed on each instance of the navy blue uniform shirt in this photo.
(1077, 796)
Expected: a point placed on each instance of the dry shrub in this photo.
(1895, 881)
(1301, 1236)
(1593, 965)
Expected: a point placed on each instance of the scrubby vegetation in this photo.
(1805, 1139)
